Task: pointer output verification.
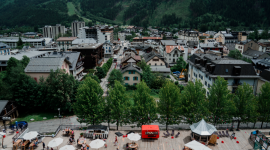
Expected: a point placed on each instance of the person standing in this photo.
(43, 145)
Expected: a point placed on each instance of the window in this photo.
(208, 85)
(135, 78)
(155, 59)
(155, 64)
(3, 62)
(209, 79)
(205, 83)
(160, 64)
(126, 78)
(150, 64)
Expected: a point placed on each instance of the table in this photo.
(16, 144)
(130, 145)
(80, 143)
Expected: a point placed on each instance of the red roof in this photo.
(170, 48)
(148, 38)
(150, 127)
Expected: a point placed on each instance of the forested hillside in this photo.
(198, 14)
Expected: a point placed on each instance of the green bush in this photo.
(155, 91)
(176, 82)
(168, 76)
(130, 87)
(91, 71)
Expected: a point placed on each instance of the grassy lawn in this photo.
(38, 116)
(71, 9)
(130, 93)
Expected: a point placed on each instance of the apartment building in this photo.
(75, 26)
(53, 31)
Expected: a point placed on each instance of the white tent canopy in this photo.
(196, 146)
(203, 128)
(134, 137)
(97, 143)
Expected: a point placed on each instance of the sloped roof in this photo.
(44, 64)
(66, 39)
(131, 67)
(148, 38)
(72, 57)
(131, 55)
(168, 42)
(253, 53)
(170, 48)
(203, 128)
(148, 56)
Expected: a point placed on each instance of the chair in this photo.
(227, 133)
(168, 132)
(219, 134)
(223, 133)
(177, 134)
(172, 133)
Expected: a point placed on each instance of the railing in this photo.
(17, 136)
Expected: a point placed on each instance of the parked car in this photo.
(176, 72)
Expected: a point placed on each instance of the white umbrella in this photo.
(67, 147)
(2, 133)
(97, 143)
(196, 146)
(55, 142)
(134, 136)
(30, 135)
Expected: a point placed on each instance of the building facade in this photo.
(132, 74)
(53, 31)
(65, 43)
(207, 67)
(75, 26)
(188, 35)
(101, 35)
(12, 42)
(4, 49)
(108, 49)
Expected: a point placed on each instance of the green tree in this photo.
(144, 108)
(147, 76)
(143, 64)
(100, 73)
(164, 37)
(180, 65)
(20, 42)
(12, 62)
(115, 75)
(119, 104)
(194, 104)
(245, 103)
(89, 106)
(221, 103)
(61, 90)
(169, 104)
(264, 103)
(235, 54)
(25, 60)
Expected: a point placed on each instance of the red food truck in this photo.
(150, 131)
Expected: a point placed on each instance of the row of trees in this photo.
(102, 71)
(237, 55)
(57, 91)
(174, 106)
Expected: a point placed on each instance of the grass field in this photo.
(71, 9)
(38, 116)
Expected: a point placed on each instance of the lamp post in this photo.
(59, 116)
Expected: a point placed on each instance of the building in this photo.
(132, 74)
(108, 49)
(41, 67)
(144, 39)
(130, 58)
(93, 54)
(188, 35)
(14, 34)
(8, 109)
(157, 63)
(83, 41)
(250, 54)
(211, 46)
(172, 53)
(53, 31)
(30, 34)
(264, 77)
(12, 41)
(4, 49)
(75, 26)
(19, 55)
(76, 62)
(247, 44)
(207, 67)
(130, 29)
(65, 43)
(100, 34)
(230, 37)
(264, 45)
(261, 64)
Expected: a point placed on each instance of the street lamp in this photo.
(59, 115)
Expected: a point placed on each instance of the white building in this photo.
(188, 35)
(12, 41)
(94, 33)
(75, 26)
(53, 31)
(108, 49)
(4, 49)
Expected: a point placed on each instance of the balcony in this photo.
(79, 65)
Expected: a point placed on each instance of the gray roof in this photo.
(203, 128)
(71, 56)
(109, 43)
(45, 64)
(252, 53)
(160, 69)
(3, 44)
(168, 42)
(131, 67)
(181, 41)
(212, 45)
(81, 41)
(230, 46)
(16, 39)
(148, 56)
(20, 55)
(30, 33)
(3, 104)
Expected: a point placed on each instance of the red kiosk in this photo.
(150, 131)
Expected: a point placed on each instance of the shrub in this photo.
(176, 82)
(130, 87)
(155, 91)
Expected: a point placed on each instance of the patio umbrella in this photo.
(67, 147)
(30, 135)
(97, 143)
(2, 133)
(55, 142)
(134, 136)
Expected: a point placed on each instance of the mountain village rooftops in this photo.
(170, 48)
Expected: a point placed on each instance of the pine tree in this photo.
(169, 104)
(89, 106)
(245, 103)
(144, 108)
(119, 104)
(221, 104)
(194, 104)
